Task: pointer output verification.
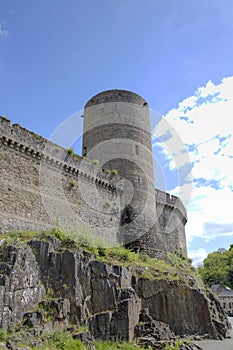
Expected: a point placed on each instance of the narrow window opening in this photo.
(137, 149)
(139, 181)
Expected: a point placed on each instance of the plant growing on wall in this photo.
(73, 183)
(95, 161)
(71, 152)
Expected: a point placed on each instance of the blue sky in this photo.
(178, 55)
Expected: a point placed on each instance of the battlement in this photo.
(42, 183)
(25, 141)
(168, 199)
(116, 96)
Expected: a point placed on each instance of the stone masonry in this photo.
(43, 185)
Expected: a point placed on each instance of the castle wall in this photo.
(42, 186)
(168, 233)
(172, 217)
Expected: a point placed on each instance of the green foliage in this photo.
(115, 207)
(5, 117)
(106, 171)
(73, 183)
(71, 151)
(18, 236)
(63, 237)
(217, 268)
(116, 346)
(180, 261)
(62, 341)
(83, 328)
(112, 206)
(142, 265)
(107, 204)
(177, 345)
(96, 162)
(122, 253)
(3, 334)
(144, 257)
(114, 172)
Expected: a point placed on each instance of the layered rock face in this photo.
(39, 278)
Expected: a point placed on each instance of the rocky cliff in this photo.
(49, 284)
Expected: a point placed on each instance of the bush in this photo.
(73, 183)
(114, 172)
(71, 152)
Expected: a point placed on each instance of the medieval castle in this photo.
(108, 191)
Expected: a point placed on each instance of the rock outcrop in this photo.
(44, 286)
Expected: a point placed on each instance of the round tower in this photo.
(117, 133)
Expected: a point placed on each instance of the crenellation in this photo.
(43, 184)
(170, 200)
(70, 166)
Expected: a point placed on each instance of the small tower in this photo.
(117, 133)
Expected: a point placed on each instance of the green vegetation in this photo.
(3, 335)
(5, 117)
(181, 261)
(63, 341)
(73, 183)
(71, 151)
(177, 345)
(114, 172)
(107, 204)
(96, 162)
(115, 207)
(106, 171)
(82, 329)
(86, 158)
(217, 268)
(142, 265)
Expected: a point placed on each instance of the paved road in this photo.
(226, 344)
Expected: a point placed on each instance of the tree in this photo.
(218, 267)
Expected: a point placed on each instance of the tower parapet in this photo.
(41, 183)
(172, 218)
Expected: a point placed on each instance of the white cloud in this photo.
(204, 124)
(198, 256)
(209, 209)
(3, 32)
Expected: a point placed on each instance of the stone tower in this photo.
(117, 133)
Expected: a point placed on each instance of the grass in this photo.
(65, 341)
(141, 264)
(177, 345)
(3, 334)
